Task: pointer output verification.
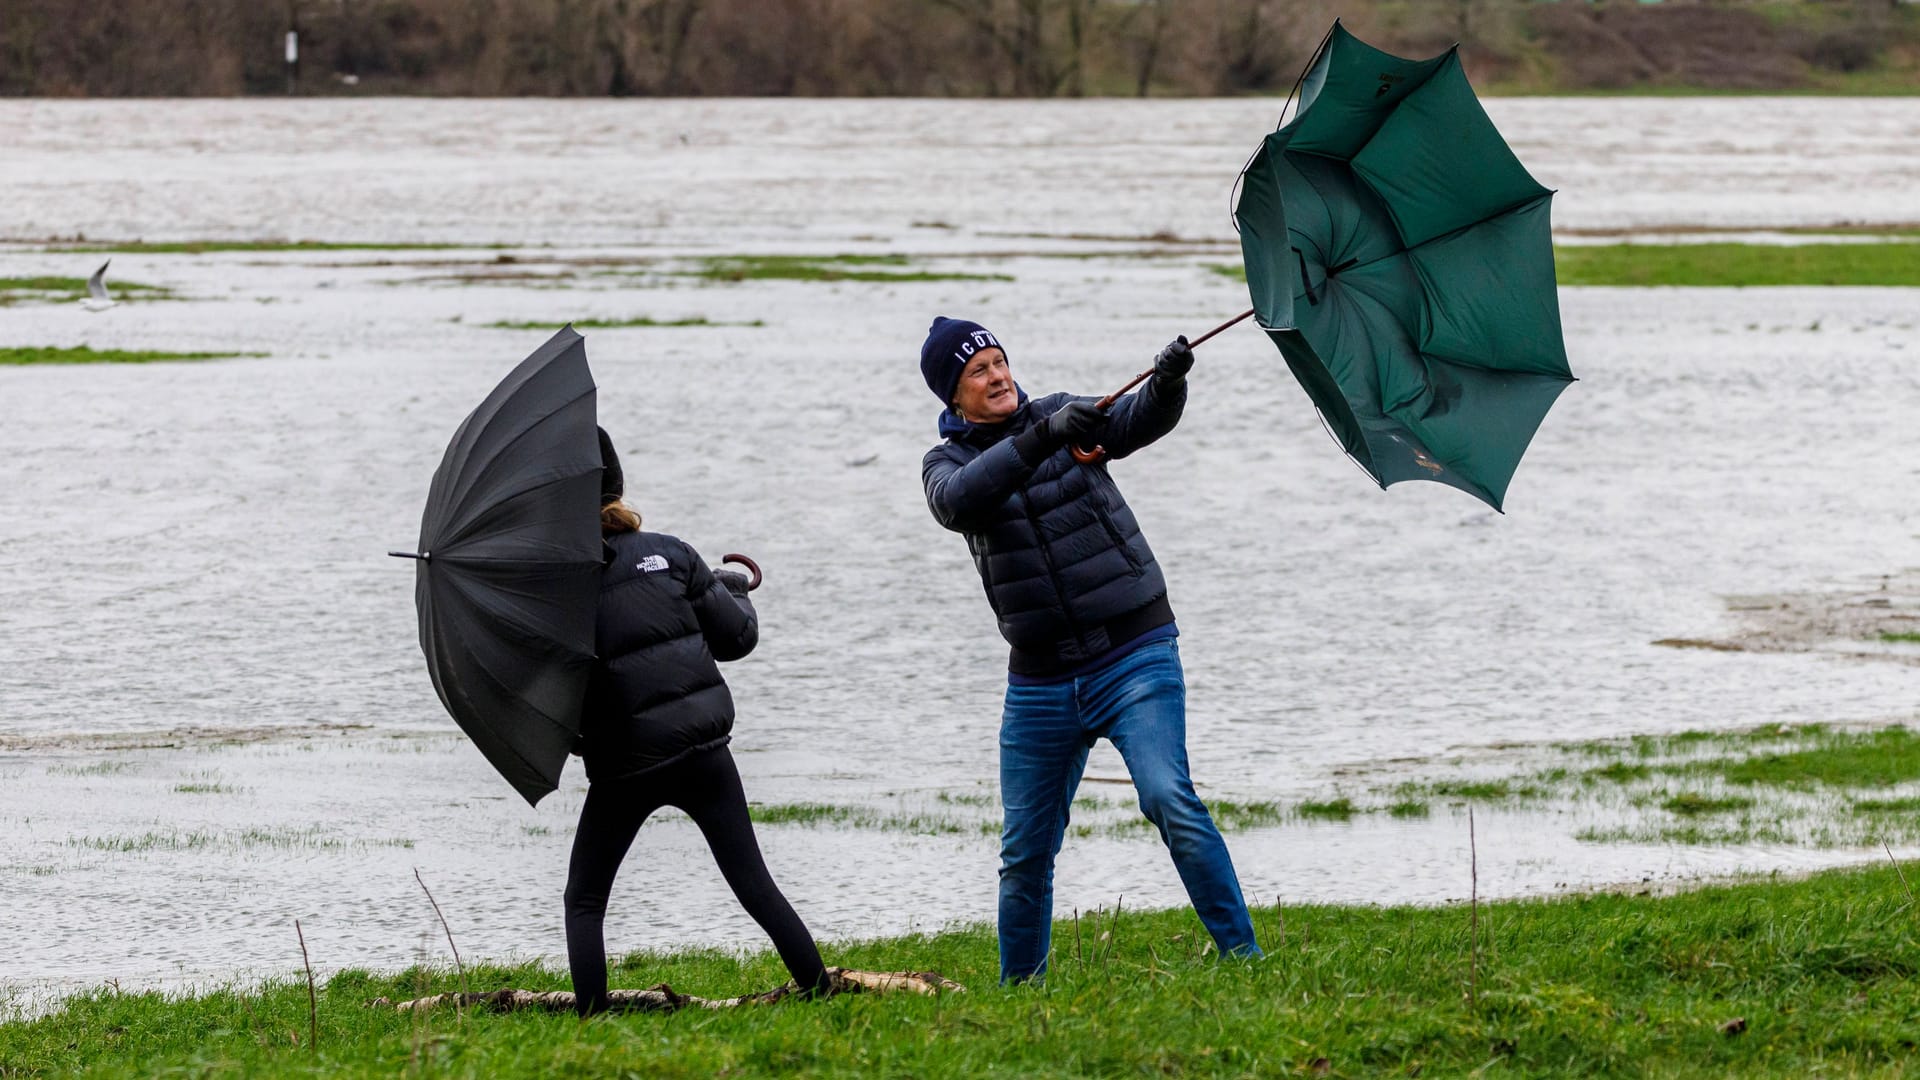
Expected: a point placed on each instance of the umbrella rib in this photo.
(465, 484)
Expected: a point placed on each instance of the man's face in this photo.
(986, 394)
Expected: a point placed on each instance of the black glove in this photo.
(1076, 422)
(1175, 360)
(732, 582)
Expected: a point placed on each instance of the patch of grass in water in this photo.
(1902, 638)
(1895, 263)
(1878, 758)
(49, 290)
(207, 247)
(1619, 772)
(98, 768)
(618, 324)
(1231, 816)
(20, 356)
(857, 817)
(1476, 790)
(874, 268)
(206, 788)
(1409, 808)
(1340, 809)
(1693, 804)
(971, 798)
(201, 839)
(1887, 806)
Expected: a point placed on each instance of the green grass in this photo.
(873, 268)
(1723, 264)
(1230, 816)
(201, 787)
(1694, 804)
(1409, 808)
(207, 247)
(44, 289)
(1340, 809)
(1820, 972)
(310, 839)
(826, 815)
(83, 354)
(1902, 638)
(1498, 790)
(1843, 759)
(1739, 264)
(617, 324)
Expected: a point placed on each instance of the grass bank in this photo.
(83, 354)
(1739, 264)
(1781, 978)
(1725, 264)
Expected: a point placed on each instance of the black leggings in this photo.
(707, 786)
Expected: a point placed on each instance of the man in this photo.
(1084, 607)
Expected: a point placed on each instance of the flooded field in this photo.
(214, 718)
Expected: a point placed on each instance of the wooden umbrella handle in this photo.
(1088, 456)
(753, 569)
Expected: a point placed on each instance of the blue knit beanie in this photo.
(950, 344)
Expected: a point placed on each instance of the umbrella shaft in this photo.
(1107, 402)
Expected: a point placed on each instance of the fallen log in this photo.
(663, 998)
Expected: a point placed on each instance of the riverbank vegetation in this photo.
(1768, 978)
(935, 48)
(22, 355)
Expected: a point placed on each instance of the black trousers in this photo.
(707, 787)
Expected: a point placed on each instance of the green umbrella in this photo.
(1400, 257)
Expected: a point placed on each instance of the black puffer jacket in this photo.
(656, 694)
(1063, 561)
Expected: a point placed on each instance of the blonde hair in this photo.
(617, 517)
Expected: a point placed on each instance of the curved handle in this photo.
(753, 569)
(1088, 457)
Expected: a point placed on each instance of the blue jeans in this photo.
(1139, 702)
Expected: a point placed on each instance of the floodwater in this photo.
(214, 718)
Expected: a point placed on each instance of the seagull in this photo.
(97, 299)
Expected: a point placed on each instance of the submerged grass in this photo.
(14, 290)
(1739, 264)
(618, 324)
(1724, 264)
(204, 839)
(82, 354)
(207, 247)
(874, 268)
(1809, 785)
(1901, 638)
(1762, 979)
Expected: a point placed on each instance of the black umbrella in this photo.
(509, 565)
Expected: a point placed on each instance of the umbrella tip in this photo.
(423, 556)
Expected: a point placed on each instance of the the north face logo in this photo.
(652, 564)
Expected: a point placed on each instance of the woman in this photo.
(655, 731)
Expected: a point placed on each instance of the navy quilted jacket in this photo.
(656, 694)
(1063, 561)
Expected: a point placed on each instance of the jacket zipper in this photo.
(1053, 575)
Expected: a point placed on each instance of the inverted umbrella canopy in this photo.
(509, 566)
(1400, 257)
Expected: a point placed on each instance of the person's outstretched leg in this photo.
(1043, 751)
(707, 786)
(1141, 703)
(609, 819)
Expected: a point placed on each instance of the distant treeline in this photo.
(937, 48)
